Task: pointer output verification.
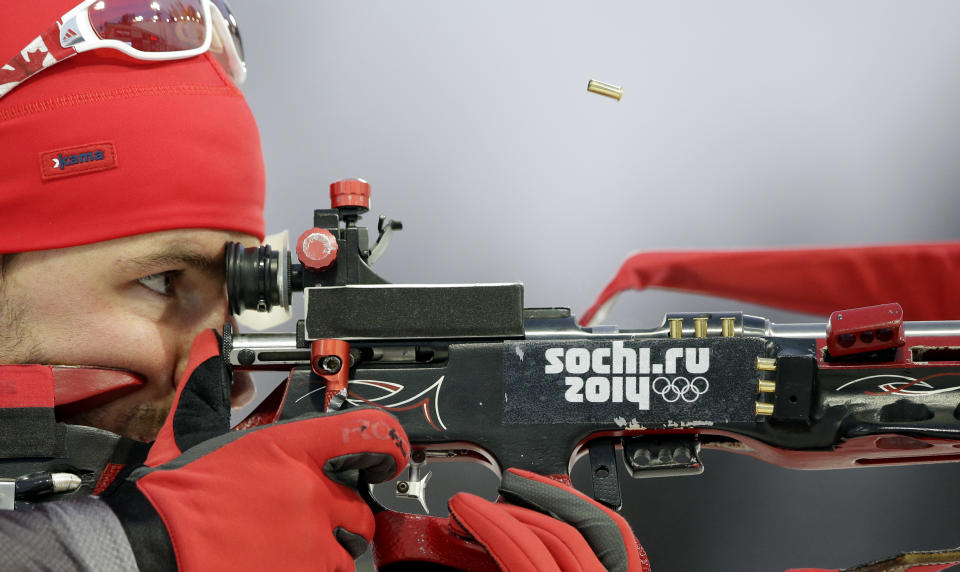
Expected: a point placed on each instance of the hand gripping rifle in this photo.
(473, 375)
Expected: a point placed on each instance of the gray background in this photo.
(743, 124)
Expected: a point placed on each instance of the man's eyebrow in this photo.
(173, 256)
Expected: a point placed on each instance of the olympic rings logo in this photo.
(673, 390)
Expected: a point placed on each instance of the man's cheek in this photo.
(126, 343)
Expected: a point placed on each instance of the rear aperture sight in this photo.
(258, 278)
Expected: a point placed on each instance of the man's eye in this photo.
(161, 283)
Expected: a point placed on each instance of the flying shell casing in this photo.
(605, 89)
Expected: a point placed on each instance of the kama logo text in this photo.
(78, 160)
(62, 162)
(623, 374)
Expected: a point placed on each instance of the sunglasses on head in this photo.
(150, 30)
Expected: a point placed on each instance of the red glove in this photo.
(279, 497)
(545, 526)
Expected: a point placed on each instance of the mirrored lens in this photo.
(151, 25)
(231, 22)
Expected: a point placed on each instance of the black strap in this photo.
(27, 432)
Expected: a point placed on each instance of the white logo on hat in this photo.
(56, 163)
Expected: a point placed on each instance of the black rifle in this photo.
(474, 375)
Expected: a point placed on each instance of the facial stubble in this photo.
(141, 421)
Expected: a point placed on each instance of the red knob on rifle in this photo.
(330, 359)
(350, 193)
(317, 249)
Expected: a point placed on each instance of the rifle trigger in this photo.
(415, 487)
(603, 470)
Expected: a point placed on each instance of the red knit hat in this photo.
(103, 146)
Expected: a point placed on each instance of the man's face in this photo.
(133, 303)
